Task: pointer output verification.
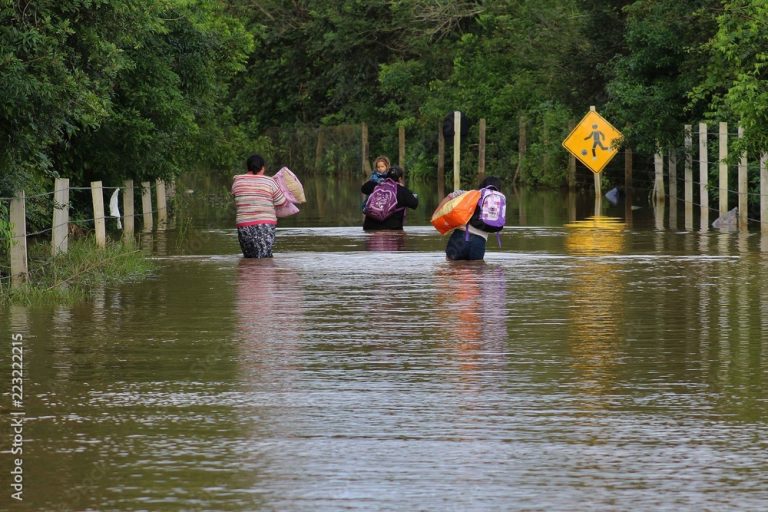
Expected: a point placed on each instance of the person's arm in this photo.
(406, 198)
(368, 187)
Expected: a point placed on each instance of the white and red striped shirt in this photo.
(256, 197)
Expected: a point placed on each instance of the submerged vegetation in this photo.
(74, 275)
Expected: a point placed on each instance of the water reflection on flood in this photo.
(592, 363)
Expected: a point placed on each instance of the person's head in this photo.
(255, 163)
(381, 164)
(491, 181)
(395, 173)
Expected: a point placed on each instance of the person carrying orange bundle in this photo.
(467, 241)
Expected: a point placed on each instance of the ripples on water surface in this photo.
(584, 367)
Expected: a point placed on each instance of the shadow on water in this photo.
(597, 360)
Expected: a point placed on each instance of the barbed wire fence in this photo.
(15, 239)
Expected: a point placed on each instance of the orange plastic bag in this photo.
(454, 212)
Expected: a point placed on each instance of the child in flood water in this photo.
(379, 174)
(405, 199)
(463, 246)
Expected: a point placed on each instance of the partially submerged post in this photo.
(18, 218)
(128, 211)
(658, 183)
(481, 150)
(97, 195)
(456, 150)
(162, 206)
(672, 163)
(440, 161)
(688, 177)
(522, 143)
(703, 176)
(60, 231)
(146, 205)
(742, 186)
(722, 190)
(366, 165)
(628, 191)
(764, 193)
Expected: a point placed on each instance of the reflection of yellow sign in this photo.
(593, 141)
(595, 236)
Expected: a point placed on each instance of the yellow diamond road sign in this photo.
(593, 141)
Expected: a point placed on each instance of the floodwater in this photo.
(601, 363)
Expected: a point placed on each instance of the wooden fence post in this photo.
(522, 144)
(456, 150)
(688, 144)
(481, 150)
(571, 172)
(97, 195)
(440, 161)
(146, 205)
(162, 207)
(672, 163)
(364, 150)
(658, 184)
(742, 186)
(598, 187)
(703, 176)
(764, 193)
(628, 190)
(128, 211)
(722, 191)
(18, 218)
(319, 147)
(688, 177)
(60, 230)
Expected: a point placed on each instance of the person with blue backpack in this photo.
(468, 242)
(387, 201)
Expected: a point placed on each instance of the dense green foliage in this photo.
(110, 90)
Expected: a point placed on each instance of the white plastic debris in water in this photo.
(727, 221)
(114, 210)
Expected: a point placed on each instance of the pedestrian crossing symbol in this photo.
(594, 141)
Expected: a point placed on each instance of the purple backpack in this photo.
(383, 201)
(491, 211)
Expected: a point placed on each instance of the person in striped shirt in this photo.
(256, 197)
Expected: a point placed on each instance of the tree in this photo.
(665, 59)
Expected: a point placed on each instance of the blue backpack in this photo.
(382, 202)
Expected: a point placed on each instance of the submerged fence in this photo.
(732, 204)
(60, 229)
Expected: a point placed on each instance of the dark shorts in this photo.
(460, 249)
(257, 241)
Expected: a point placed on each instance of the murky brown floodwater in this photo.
(590, 364)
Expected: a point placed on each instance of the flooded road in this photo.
(592, 363)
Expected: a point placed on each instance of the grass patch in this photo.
(70, 277)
